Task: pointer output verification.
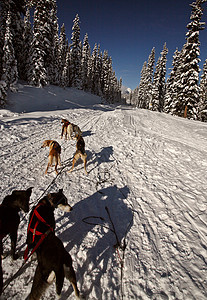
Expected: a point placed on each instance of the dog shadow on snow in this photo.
(94, 243)
(96, 159)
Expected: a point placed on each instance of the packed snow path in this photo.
(148, 169)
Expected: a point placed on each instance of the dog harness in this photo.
(35, 232)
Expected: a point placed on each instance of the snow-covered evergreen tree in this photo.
(76, 54)
(53, 60)
(189, 92)
(86, 52)
(159, 84)
(94, 78)
(149, 78)
(203, 94)
(144, 96)
(40, 43)
(16, 9)
(134, 96)
(65, 79)
(9, 63)
(63, 49)
(105, 85)
(27, 37)
(141, 97)
(98, 75)
(173, 83)
(3, 93)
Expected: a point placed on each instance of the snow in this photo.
(147, 168)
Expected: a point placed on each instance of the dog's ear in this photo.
(29, 190)
(49, 196)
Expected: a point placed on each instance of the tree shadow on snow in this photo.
(94, 243)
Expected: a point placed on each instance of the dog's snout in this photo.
(66, 208)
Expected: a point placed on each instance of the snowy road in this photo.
(148, 169)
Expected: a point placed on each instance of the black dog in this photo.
(9, 220)
(51, 254)
(53, 259)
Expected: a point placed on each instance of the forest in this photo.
(35, 50)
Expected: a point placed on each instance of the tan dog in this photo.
(64, 131)
(73, 129)
(54, 153)
(80, 152)
(69, 129)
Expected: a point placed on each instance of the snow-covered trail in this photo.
(149, 170)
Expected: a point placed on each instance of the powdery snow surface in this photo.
(148, 169)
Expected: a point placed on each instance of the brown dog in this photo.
(9, 220)
(73, 130)
(64, 131)
(54, 153)
(80, 152)
(69, 129)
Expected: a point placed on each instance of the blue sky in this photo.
(130, 29)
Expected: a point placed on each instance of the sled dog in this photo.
(69, 129)
(80, 152)
(52, 259)
(9, 220)
(64, 128)
(54, 153)
(51, 255)
(45, 208)
(73, 130)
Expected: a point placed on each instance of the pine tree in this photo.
(189, 93)
(65, 80)
(159, 85)
(63, 49)
(203, 94)
(105, 84)
(149, 78)
(53, 59)
(76, 54)
(27, 37)
(9, 63)
(17, 32)
(86, 52)
(3, 93)
(134, 96)
(173, 83)
(93, 74)
(40, 43)
(98, 75)
(141, 97)
(16, 10)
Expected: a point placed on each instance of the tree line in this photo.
(183, 94)
(35, 50)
